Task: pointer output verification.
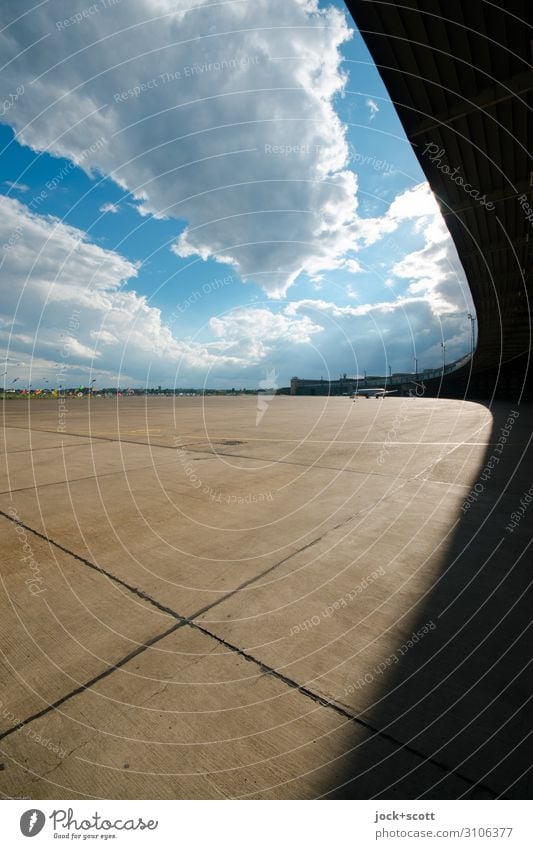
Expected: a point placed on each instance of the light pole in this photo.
(416, 366)
(472, 321)
(443, 346)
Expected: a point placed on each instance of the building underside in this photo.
(459, 75)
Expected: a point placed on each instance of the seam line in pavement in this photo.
(32, 450)
(150, 599)
(265, 668)
(251, 581)
(88, 684)
(324, 702)
(118, 438)
(207, 452)
(144, 596)
(229, 594)
(86, 477)
(86, 436)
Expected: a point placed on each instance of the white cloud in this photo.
(55, 272)
(353, 266)
(373, 107)
(373, 335)
(413, 203)
(51, 260)
(16, 187)
(109, 207)
(221, 116)
(434, 272)
(67, 306)
(264, 326)
(69, 311)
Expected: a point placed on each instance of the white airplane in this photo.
(375, 392)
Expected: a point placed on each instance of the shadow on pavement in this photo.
(457, 702)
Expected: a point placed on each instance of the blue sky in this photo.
(215, 192)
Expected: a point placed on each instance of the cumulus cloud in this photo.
(67, 307)
(217, 114)
(434, 272)
(372, 336)
(416, 202)
(353, 266)
(432, 305)
(220, 116)
(55, 271)
(254, 333)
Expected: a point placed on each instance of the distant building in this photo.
(403, 383)
(343, 386)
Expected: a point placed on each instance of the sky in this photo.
(211, 194)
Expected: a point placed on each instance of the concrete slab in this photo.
(192, 544)
(363, 619)
(173, 421)
(190, 719)
(90, 459)
(311, 540)
(62, 624)
(15, 439)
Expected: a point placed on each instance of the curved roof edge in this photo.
(460, 77)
